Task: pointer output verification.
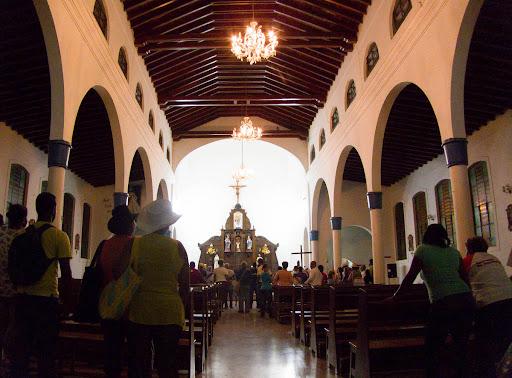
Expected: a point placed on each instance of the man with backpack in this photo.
(36, 316)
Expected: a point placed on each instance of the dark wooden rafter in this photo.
(186, 48)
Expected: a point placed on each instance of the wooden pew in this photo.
(200, 326)
(305, 314)
(342, 328)
(390, 337)
(295, 311)
(282, 302)
(319, 319)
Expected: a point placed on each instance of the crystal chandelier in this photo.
(252, 46)
(242, 173)
(247, 131)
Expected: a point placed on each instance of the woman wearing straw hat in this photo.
(157, 312)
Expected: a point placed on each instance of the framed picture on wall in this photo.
(238, 220)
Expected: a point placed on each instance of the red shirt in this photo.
(196, 277)
(110, 254)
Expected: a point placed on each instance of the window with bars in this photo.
(161, 140)
(18, 185)
(372, 58)
(86, 226)
(101, 16)
(138, 95)
(123, 62)
(419, 203)
(401, 248)
(445, 213)
(312, 154)
(335, 119)
(400, 12)
(322, 139)
(351, 92)
(483, 207)
(151, 120)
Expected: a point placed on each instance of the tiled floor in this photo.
(246, 345)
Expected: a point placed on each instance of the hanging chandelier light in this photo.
(242, 173)
(252, 46)
(247, 131)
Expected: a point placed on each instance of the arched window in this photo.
(123, 62)
(168, 153)
(335, 119)
(312, 155)
(18, 185)
(138, 95)
(161, 140)
(483, 207)
(68, 216)
(400, 12)
(101, 16)
(151, 120)
(372, 58)
(419, 203)
(445, 213)
(322, 139)
(401, 249)
(86, 226)
(351, 92)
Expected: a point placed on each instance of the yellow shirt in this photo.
(284, 278)
(55, 243)
(157, 301)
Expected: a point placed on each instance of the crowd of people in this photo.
(30, 314)
(470, 294)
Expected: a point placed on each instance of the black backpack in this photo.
(27, 258)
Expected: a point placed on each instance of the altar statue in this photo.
(249, 243)
(227, 244)
(238, 246)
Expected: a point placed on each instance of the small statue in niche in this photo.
(509, 217)
(249, 243)
(238, 244)
(227, 244)
(410, 239)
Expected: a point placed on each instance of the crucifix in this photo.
(237, 188)
(301, 253)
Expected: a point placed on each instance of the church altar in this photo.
(238, 242)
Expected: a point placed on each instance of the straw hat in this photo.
(157, 215)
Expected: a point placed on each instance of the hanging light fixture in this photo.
(247, 131)
(242, 173)
(252, 46)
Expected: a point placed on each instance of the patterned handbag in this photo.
(117, 295)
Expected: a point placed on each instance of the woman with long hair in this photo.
(452, 304)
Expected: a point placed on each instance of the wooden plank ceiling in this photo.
(201, 72)
(186, 48)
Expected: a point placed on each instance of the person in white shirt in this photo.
(315, 276)
(222, 274)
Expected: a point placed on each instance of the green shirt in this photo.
(441, 271)
(157, 301)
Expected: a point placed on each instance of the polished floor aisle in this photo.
(246, 345)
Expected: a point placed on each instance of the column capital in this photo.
(336, 223)
(374, 200)
(120, 198)
(58, 153)
(456, 151)
(313, 235)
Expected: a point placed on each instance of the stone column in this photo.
(375, 206)
(58, 156)
(313, 238)
(120, 198)
(336, 241)
(456, 151)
